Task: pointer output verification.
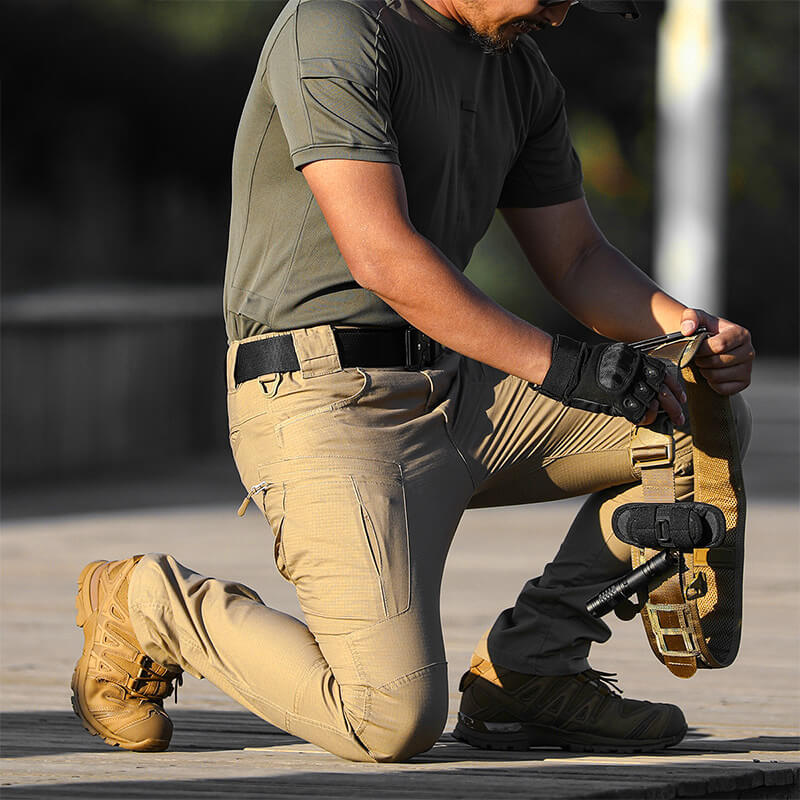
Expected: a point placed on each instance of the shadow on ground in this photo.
(715, 779)
(42, 733)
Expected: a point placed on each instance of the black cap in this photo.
(624, 7)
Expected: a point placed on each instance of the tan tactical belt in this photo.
(693, 618)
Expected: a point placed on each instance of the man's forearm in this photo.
(608, 293)
(594, 281)
(421, 285)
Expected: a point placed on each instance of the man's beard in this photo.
(492, 44)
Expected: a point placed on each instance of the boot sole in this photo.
(540, 736)
(83, 619)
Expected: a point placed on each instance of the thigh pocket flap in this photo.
(341, 535)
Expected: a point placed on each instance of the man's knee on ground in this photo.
(406, 717)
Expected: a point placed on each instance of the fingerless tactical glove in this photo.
(609, 379)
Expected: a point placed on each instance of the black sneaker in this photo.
(506, 710)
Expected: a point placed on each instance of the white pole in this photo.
(691, 152)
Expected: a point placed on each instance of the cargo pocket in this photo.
(337, 391)
(341, 535)
(273, 505)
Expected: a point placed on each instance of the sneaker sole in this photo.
(540, 736)
(85, 620)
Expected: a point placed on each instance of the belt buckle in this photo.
(653, 455)
(419, 349)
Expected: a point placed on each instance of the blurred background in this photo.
(118, 121)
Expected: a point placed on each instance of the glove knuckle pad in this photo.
(613, 379)
(616, 367)
(643, 392)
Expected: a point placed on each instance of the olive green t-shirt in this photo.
(390, 81)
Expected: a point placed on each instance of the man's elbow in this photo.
(363, 270)
(378, 269)
(367, 273)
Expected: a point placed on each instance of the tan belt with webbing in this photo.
(694, 618)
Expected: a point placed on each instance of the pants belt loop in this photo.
(316, 351)
(230, 365)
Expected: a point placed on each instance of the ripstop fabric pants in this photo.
(363, 475)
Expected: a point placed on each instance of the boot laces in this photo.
(606, 682)
(178, 682)
(136, 685)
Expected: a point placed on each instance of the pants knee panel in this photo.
(406, 717)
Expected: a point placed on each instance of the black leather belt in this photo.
(358, 347)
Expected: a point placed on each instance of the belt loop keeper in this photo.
(230, 365)
(270, 383)
(316, 351)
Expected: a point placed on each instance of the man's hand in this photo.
(725, 359)
(612, 379)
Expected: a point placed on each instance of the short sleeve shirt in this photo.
(388, 81)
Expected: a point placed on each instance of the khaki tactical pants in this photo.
(363, 475)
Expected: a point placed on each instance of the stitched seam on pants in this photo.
(356, 661)
(255, 698)
(320, 663)
(548, 460)
(396, 681)
(320, 726)
(371, 538)
(186, 640)
(410, 676)
(455, 447)
(335, 406)
(359, 667)
(368, 691)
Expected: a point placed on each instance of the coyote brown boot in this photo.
(117, 691)
(506, 710)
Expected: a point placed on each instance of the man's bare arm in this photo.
(365, 207)
(603, 289)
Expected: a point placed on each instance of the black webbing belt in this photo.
(364, 347)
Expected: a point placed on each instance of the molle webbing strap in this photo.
(665, 615)
(717, 573)
(654, 453)
(693, 619)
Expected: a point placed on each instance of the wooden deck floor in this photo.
(744, 740)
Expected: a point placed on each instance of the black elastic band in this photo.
(276, 354)
(371, 348)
